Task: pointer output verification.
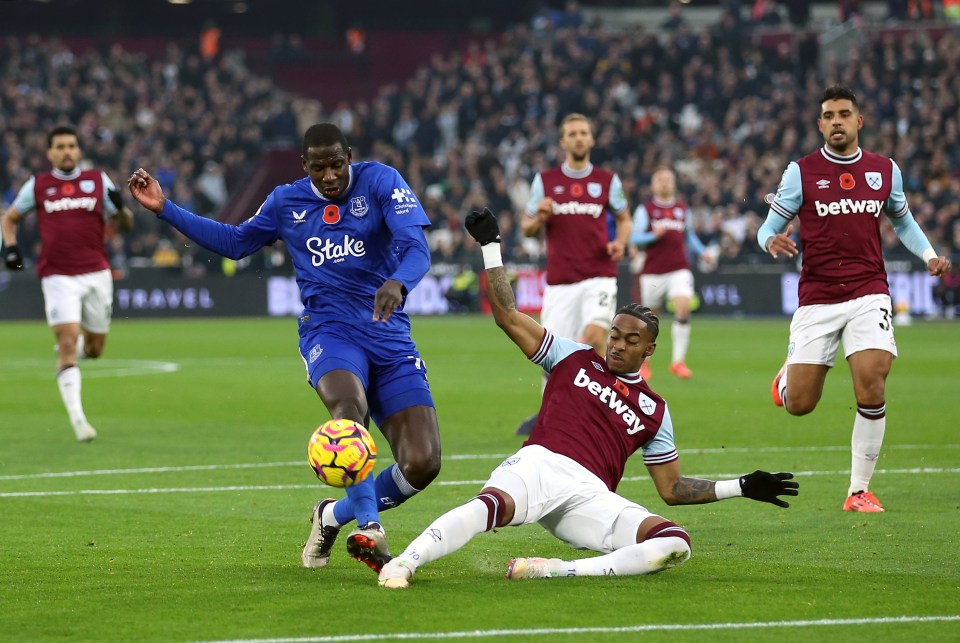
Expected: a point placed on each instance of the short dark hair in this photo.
(324, 135)
(839, 92)
(645, 315)
(60, 130)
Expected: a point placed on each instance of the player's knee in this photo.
(500, 507)
(799, 406)
(672, 545)
(799, 402)
(668, 529)
(420, 469)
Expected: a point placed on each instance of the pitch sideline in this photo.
(656, 627)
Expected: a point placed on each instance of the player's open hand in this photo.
(146, 190)
(483, 227)
(388, 298)
(765, 487)
(938, 266)
(782, 244)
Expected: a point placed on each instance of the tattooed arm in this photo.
(521, 328)
(676, 489)
(762, 486)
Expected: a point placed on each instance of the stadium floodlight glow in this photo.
(179, 1)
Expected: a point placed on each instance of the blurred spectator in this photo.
(675, 19)
(473, 126)
(165, 255)
(765, 14)
(210, 41)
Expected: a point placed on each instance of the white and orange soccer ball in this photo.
(341, 453)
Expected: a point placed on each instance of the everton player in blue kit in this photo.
(355, 234)
(596, 412)
(837, 194)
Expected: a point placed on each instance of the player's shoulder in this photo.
(872, 158)
(551, 172)
(600, 174)
(367, 170)
(297, 189)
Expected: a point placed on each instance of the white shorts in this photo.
(861, 324)
(568, 308)
(657, 290)
(567, 500)
(86, 299)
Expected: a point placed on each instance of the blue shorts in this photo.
(390, 368)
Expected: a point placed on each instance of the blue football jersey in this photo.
(342, 250)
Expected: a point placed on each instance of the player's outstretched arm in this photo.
(522, 329)
(762, 486)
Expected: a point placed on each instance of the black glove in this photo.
(13, 258)
(765, 487)
(483, 227)
(114, 196)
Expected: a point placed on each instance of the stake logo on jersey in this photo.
(324, 250)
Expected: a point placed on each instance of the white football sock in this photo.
(782, 385)
(68, 381)
(647, 557)
(680, 340)
(865, 445)
(447, 534)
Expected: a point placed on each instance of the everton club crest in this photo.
(358, 206)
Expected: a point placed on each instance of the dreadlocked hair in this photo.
(646, 315)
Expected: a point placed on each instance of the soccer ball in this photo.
(341, 453)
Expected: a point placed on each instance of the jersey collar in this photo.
(576, 174)
(630, 378)
(65, 176)
(843, 160)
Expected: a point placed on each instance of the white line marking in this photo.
(93, 368)
(653, 627)
(442, 483)
(483, 456)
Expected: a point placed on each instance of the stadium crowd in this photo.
(472, 126)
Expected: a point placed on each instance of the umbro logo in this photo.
(299, 217)
(823, 184)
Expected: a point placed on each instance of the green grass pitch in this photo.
(184, 520)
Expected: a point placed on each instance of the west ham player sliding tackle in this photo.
(355, 234)
(596, 412)
(837, 194)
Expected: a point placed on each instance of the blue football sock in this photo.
(392, 488)
(360, 503)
